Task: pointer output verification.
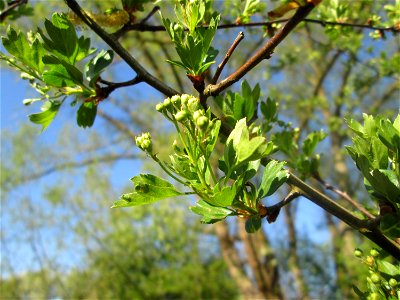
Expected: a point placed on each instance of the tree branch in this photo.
(265, 52)
(121, 51)
(10, 8)
(228, 54)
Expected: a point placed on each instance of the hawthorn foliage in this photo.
(225, 139)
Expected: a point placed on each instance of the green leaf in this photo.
(97, 64)
(62, 40)
(29, 54)
(311, 142)
(390, 225)
(86, 114)
(269, 109)
(210, 214)
(84, 48)
(148, 189)
(62, 75)
(253, 224)
(274, 176)
(388, 268)
(44, 118)
(224, 197)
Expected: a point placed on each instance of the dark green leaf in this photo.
(210, 214)
(390, 225)
(86, 114)
(148, 189)
(274, 176)
(45, 117)
(253, 224)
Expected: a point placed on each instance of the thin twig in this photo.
(121, 51)
(228, 54)
(345, 196)
(111, 86)
(265, 52)
(10, 8)
(153, 11)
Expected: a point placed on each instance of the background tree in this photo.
(319, 75)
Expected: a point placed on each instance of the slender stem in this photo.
(228, 54)
(10, 8)
(161, 164)
(153, 11)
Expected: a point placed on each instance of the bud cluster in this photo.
(144, 142)
(184, 107)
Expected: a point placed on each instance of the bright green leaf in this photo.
(274, 176)
(44, 118)
(97, 64)
(210, 214)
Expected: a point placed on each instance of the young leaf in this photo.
(86, 114)
(274, 176)
(311, 141)
(210, 214)
(45, 117)
(62, 40)
(148, 189)
(97, 64)
(224, 197)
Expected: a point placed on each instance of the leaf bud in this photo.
(358, 253)
(375, 278)
(392, 282)
(202, 122)
(374, 252)
(181, 116)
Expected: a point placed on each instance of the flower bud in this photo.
(176, 100)
(193, 104)
(159, 106)
(185, 99)
(202, 122)
(144, 142)
(181, 116)
(392, 282)
(167, 102)
(197, 114)
(358, 253)
(375, 278)
(374, 252)
(370, 260)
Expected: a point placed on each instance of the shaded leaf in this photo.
(274, 176)
(97, 64)
(253, 224)
(86, 114)
(210, 214)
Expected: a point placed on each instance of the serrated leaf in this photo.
(97, 64)
(45, 117)
(148, 189)
(210, 214)
(274, 176)
(86, 114)
(61, 76)
(253, 224)
(62, 40)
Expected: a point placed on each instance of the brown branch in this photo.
(121, 51)
(112, 86)
(153, 11)
(265, 52)
(228, 54)
(10, 9)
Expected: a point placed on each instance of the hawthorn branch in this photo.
(121, 51)
(112, 86)
(228, 54)
(265, 52)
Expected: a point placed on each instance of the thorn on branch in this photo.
(153, 11)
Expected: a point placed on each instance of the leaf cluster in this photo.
(50, 60)
(376, 152)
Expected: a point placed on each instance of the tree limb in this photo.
(121, 51)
